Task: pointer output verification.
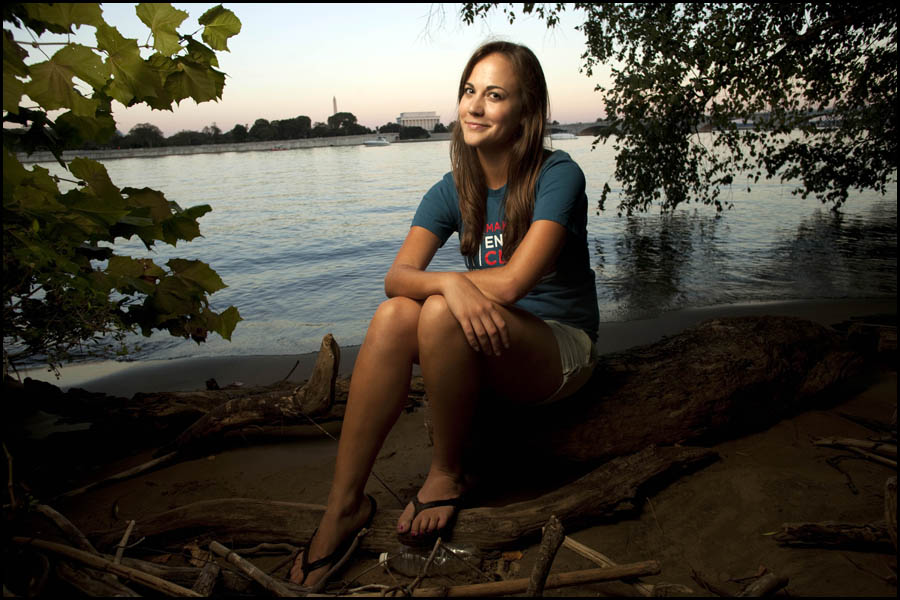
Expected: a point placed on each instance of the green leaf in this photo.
(101, 211)
(51, 85)
(132, 77)
(227, 321)
(97, 179)
(63, 15)
(13, 68)
(13, 171)
(77, 130)
(193, 80)
(84, 63)
(150, 199)
(198, 273)
(201, 53)
(220, 24)
(163, 21)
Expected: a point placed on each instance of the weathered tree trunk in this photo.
(618, 485)
(314, 398)
(716, 381)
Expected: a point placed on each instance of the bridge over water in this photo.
(581, 128)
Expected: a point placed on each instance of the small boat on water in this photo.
(563, 136)
(379, 141)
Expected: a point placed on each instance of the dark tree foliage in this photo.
(801, 92)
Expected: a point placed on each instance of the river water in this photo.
(304, 237)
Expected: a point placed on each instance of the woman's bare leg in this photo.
(455, 375)
(378, 391)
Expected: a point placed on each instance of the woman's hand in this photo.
(478, 316)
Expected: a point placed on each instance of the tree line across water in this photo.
(147, 135)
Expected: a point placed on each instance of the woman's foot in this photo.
(437, 486)
(338, 525)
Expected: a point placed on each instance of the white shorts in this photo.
(578, 356)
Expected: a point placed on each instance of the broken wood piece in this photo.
(874, 457)
(888, 450)
(142, 468)
(890, 508)
(551, 540)
(871, 537)
(99, 562)
(517, 586)
(766, 585)
(120, 549)
(67, 527)
(601, 559)
(252, 571)
(207, 580)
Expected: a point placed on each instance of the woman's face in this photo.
(490, 108)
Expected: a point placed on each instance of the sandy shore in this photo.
(127, 378)
(715, 524)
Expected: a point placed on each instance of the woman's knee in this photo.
(436, 323)
(396, 319)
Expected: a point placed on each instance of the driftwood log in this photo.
(313, 399)
(716, 381)
(615, 487)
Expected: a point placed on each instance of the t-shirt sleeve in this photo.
(560, 196)
(438, 211)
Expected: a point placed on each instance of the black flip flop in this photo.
(336, 558)
(428, 538)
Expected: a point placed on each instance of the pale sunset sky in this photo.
(378, 60)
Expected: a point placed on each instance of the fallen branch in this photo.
(873, 457)
(123, 543)
(67, 527)
(127, 474)
(254, 573)
(517, 586)
(881, 448)
(552, 539)
(99, 562)
(872, 537)
(89, 584)
(601, 559)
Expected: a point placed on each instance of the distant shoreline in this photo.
(268, 146)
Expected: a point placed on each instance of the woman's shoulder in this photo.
(558, 164)
(555, 158)
(444, 190)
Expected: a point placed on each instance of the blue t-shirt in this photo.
(568, 294)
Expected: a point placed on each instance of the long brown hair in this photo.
(526, 154)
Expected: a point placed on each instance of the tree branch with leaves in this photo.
(64, 284)
(704, 93)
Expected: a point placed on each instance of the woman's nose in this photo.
(476, 106)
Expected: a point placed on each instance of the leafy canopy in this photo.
(63, 282)
(804, 92)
